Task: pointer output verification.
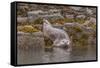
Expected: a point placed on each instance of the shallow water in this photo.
(36, 53)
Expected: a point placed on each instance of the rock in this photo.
(69, 16)
(22, 19)
(74, 24)
(33, 15)
(54, 14)
(92, 20)
(34, 12)
(38, 34)
(20, 33)
(76, 8)
(54, 11)
(88, 30)
(89, 11)
(93, 10)
(81, 16)
(23, 7)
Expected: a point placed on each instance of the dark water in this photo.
(36, 53)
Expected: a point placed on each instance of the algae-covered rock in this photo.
(28, 28)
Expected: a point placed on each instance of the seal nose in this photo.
(68, 42)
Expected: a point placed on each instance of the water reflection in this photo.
(37, 54)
